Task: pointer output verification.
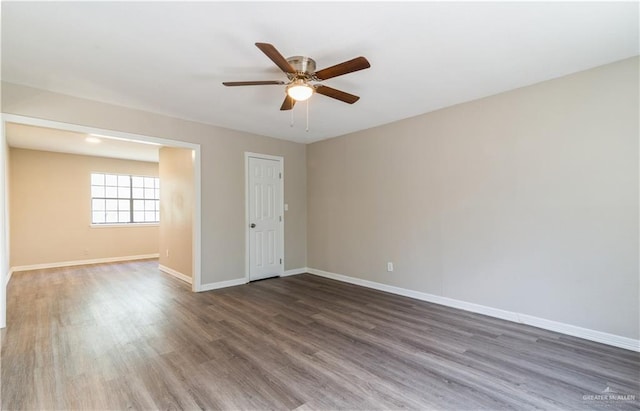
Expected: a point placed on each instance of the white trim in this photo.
(568, 329)
(264, 156)
(34, 121)
(197, 215)
(83, 262)
(177, 274)
(247, 240)
(124, 225)
(9, 274)
(223, 284)
(196, 252)
(294, 271)
(580, 332)
(4, 222)
(247, 246)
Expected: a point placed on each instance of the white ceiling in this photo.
(48, 139)
(171, 57)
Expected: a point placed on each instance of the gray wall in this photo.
(525, 201)
(223, 185)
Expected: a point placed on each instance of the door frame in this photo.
(247, 253)
(196, 254)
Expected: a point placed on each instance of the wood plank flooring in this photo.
(126, 336)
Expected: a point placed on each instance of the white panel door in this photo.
(265, 218)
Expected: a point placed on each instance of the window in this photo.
(124, 199)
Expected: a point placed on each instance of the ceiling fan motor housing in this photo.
(302, 64)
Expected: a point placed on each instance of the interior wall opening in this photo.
(81, 156)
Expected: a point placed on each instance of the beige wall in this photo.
(176, 209)
(222, 170)
(526, 201)
(50, 210)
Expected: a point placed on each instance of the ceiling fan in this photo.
(303, 78)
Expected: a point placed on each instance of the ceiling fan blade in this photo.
(288, 103)
(252, 83)
(358, 63)
(337, 94)
(276, 57)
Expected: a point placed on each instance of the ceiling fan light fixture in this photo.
(299, 90)
(301, 73)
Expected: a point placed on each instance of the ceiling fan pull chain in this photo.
(307, 130)
(291, 123)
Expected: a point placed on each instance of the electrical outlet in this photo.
(389, 266)
(167, 253)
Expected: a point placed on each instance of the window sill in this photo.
(129, 225)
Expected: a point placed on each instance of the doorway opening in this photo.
(123, 138)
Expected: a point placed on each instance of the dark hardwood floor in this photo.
(125, 336)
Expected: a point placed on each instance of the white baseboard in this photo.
(580, 332)
(11, 270)
(240, 281)
(83, 262)
(177, 274)
(222, 284)
(295, 271)
(568, 329)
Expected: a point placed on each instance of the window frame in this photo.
(130, 199)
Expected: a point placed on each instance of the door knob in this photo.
(252, 225)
